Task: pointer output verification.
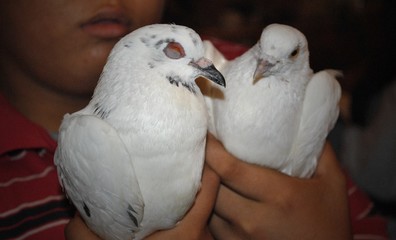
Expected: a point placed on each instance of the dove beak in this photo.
(262, 70)
(209, 71)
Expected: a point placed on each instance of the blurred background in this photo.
(342, 34)
(355, 36)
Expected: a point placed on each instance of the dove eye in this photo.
(294, 53)
(174, 50)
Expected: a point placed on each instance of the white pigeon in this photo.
(131, 160)
(274, 112)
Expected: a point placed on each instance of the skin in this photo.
(45, 52)
(259, 203)
(250, 205)
(49, 66)
(192, 226)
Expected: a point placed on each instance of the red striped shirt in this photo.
(32, 204)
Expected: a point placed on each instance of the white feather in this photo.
(97, 186)
(281, 120)
(131, 161)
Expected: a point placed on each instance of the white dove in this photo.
(274, 112)
(131, 160)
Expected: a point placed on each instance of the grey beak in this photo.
(262, 70)
(209, 71)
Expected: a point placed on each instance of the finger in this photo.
(242, 177)
(221, 229)
(233, 207)
(328, 163)
(206, 198)
(76, 229)
(330, 173)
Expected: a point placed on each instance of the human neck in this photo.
(43, 106)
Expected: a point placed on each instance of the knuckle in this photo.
(285, 201)
(229, 170)
(253, 228)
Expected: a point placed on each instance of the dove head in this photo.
(281, 49)
(173, 53)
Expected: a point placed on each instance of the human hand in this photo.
(76, 229)
(259, 203)
(192, 226)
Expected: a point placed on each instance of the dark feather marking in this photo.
(145, 41)
(189, 86)
(86, 210)
(130, 212)
(127, 45)
(100, 112)
(151, 65)
(175, 80)
(194, 39)
(160, 42)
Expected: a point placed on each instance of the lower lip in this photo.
(105, 30)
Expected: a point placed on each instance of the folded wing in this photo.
(97, 174)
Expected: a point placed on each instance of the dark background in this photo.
(355, 36)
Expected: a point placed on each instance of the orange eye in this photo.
(174, 50)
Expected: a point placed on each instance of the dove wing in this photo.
(213, 54)
(97, 173)
(319, 114)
